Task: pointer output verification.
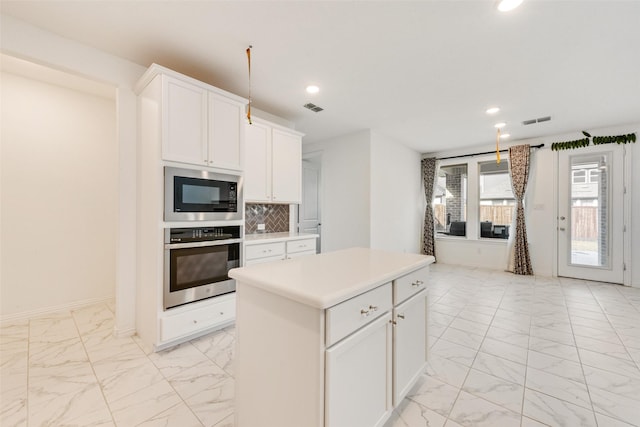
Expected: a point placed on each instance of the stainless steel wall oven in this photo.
(197, 261)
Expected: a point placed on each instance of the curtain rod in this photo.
(480, 154)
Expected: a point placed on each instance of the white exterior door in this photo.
(309, 209)
(591, 213)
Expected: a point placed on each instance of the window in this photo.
(496, 199)
(450, 200)
(579, 176)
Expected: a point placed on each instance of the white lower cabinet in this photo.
(258, 253)
(347, 365)
(296, 248)
(264, 252)
(196, 317)
(409, 344)
(358, 377)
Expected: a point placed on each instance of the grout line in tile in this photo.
(93, 370)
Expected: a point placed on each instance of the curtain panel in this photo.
(429, 168)
(519, 163)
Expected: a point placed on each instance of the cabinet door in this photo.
(225, 128)
(287, 167)
(184, 124)
(358, 377)
(257, 162)
(409, 344)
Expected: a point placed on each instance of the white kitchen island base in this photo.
(329, 340)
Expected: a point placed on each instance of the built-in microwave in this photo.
(198, 195)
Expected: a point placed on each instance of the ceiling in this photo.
(420, 72)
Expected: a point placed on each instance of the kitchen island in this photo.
(329, 340)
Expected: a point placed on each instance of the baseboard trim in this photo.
(26, 315)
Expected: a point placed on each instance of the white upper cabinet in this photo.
(286, 169)
(257, 160)
(200, 124)
(273, 163)
(184, 122)
(225, 133)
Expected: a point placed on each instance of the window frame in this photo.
(464, 188)
(511, 201)
(473, 199)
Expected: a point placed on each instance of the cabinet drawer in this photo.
(294, 246)
(349, 316)
(410, 284)
(255, 261)
(299, 254)
(264, 250)
(191, 321)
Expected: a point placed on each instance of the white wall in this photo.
(59, 196)
(541, 201)
(371, 193)
(345, 176)
(397, 199)
(31, 43)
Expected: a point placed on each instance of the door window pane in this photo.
(589, 239)
(496, 200)
(450, 200)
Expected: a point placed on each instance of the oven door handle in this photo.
(201, 244)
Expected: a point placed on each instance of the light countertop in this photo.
(327, 279)
(275, 237)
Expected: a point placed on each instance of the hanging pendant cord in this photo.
(498, 147)
(249, 62)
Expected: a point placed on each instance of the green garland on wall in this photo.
(596, 140)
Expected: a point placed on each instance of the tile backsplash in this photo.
(274, 217)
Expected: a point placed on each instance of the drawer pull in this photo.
(195, 321)
(373, 307)
(400, 316)
(417, 283)
(364, 312)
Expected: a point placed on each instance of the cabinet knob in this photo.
(373, 307)
(417, 283)
(364, 312)
(400, 315)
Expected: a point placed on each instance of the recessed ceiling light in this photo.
(499, 125)
(507, 5)
(504, 135)
(492, 110)
(313, 89)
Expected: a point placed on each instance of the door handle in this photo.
(561, 228)
(562, 218)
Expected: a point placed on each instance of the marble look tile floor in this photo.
(505, 350)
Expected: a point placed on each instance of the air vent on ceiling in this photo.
(313, 107)
(538, 120)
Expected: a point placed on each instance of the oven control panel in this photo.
(202, 234)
